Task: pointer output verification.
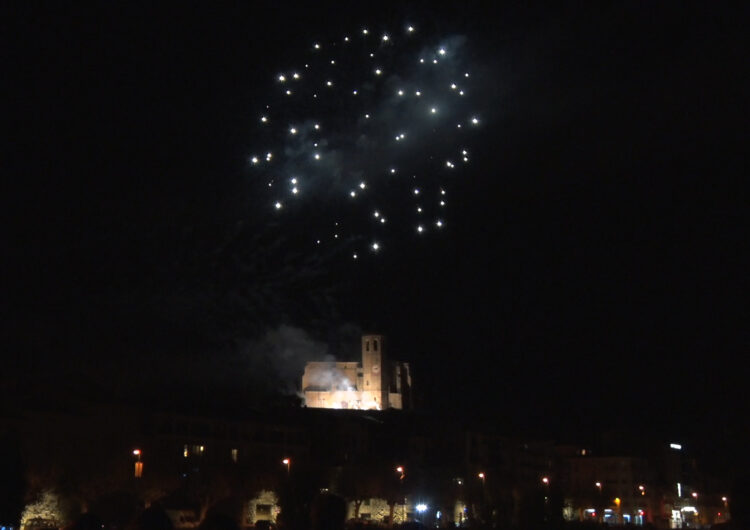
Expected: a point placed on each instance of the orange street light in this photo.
(400, 469)
(599, 486)
(287, 462)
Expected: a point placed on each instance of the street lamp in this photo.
(481, 475)
(545, 481)
(400, 469)
(287, 462)
(642, 489)
(138, 473)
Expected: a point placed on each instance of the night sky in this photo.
(592, 273)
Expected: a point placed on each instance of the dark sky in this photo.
(594, 271)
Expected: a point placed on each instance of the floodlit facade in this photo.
(375, 383)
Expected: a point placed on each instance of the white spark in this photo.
(442, 192)
(393, 170)
(295, 75)
(375, 246)
(354, 256)
(475, 120)
(419, 209)
(316, 46)
(282, 78)
(378, 71)
(433, 110)
(335, 236)
(354, 92)
(421, 61)
(464, 152)
(466, 74)
(254, 160)
(376, 213)
(400, 92)
(439, 223)
(346, 39)
(317, 126)
(441, 51)
(367, 116)
(294, 180)
(382, 220)
(410, 29)
(269, 155)
(362, 185)
(364, 31)
(263, 119)
(353, 193)
(420, 229)
(293, 130)
(453, 86)
(277, 206)
(317, 156)
(416, 191)
(460, 92)
(466, 159)
(459, 125)
(442, 203)
(270, 184)
(288, 92)
(385, 38)
(333, 62)
(418, 93)
(329, 83)
(434, 61)
(295, 190)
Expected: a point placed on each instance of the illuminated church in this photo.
(376, 383)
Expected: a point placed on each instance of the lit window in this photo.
(185, 451)
(234, 455)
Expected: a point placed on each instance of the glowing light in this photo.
(375, 246)
(677, 447)
(354, 92)
(346, 39)
(263, 119)
(459, 125)
(282, 78)
(317, 126)
(362, 185)
(439, 223)
(418, 93)
(286, 461)
(466, 74)
(353, 193)
(269, 156)
(333, 62)
(293, 130)
(419, 209)
(448, 163)
(393, 170)
(354, 255)
(434, 61)
(460, 92)
(382, 220)
(481, 475)
(376, 213)
(367, 116)
(442, 192)
(475, 120)
(277, 205)
(433, 110)
(400, 92)
(466, 159)
(295, 75)
(137, 452)
(545, 480)
(364, 31)
(254, 160)
(442, 203)
(420, 229)
(317, 156)
(316, 46)
(378, 71)
(294, 180)
(421, 508)
(453, 86)
(441, 51)
(416, 191)
(421, 61)
(288, 92)
(329, 83)
(385, 38)
(410, 29)
(295, 190)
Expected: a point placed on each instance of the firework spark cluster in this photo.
(364, 136)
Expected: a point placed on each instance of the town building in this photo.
(375, 383)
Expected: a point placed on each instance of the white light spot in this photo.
(466, 74)
(442, 192)
(354, 92)
(439, 223)
(400, 92)
(282, 78)
(460, 92)
(393, 170)
(317, 126)
(294, 180)
(442, 203)
(270, 184)
(475, 120)
(329, 83)
(295, 75)
(353, 193)
(466, 159)
(367, 116)
(316, 46)
(419, 209)
(295, 190)
(418, 93)
(375, 246)
(254, 160)
(420, 229)
(385, 38)
(441, 51)
(378, 71)
(410, 29)
(421, 61)
(288, 92)
(354, 256)
(346, 39)
(382, 220)
(333, 62)
(269, 156)
(453, 86)
(317, 156)
(293, 130)
(459, 125)
(277, 206)
(433, 110)
(364, 31)
(263, 119)
(362, 185)
(376, 213)
(434, 61)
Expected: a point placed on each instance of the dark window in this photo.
(367, 345)
(375, 345)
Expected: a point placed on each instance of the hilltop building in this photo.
(375, 383)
